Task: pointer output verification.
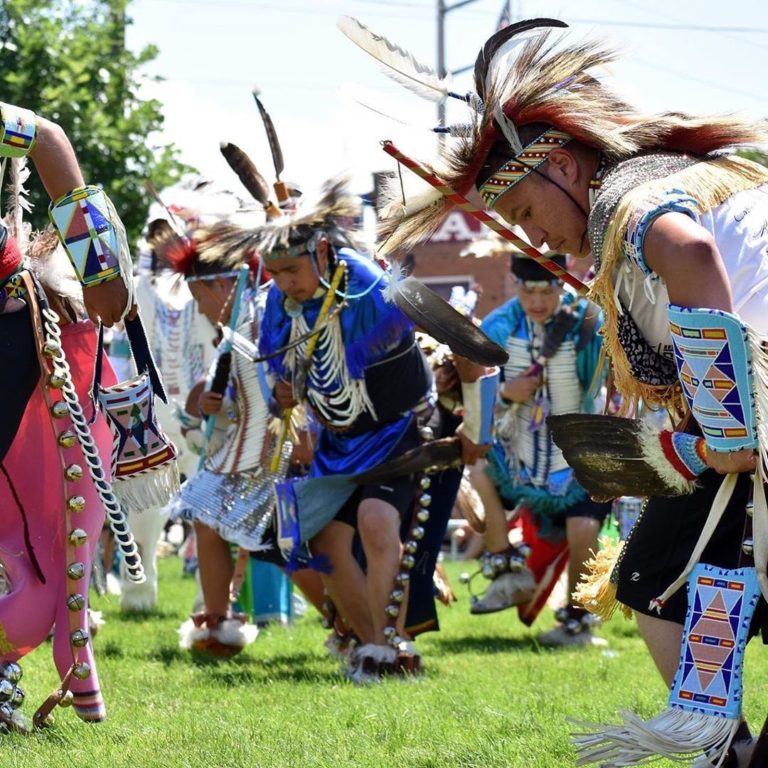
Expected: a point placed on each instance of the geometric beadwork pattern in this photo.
(139, 445)
(519, 166)
(641, 218)
(714, 363)
(18, 129)
(720, 607)
(85, 222)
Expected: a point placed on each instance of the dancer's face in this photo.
(211, 297)
(297, 276)
(542, 209)
(539, 302)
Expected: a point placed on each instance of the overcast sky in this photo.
(213, 52)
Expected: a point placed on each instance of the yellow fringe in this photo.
(5, 645)
(596, 592)
(710, 183)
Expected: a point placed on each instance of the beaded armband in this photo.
(91, 233)
(714, 363)
(479, 399)
(19, 128)
(674, 201)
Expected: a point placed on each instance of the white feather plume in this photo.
(18, 202)
(401, 66)
(418, 195)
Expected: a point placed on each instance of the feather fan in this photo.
(400, 65)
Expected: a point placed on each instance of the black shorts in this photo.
(661, 542)
(399, 493)
(588, 508)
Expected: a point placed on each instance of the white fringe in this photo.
(152, 488)
(229, 632)
(674, 734)
(653, 454)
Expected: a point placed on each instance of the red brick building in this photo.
(438, 264)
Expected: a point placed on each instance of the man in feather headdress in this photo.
(676, 228)
(339, 344)
(554, 356)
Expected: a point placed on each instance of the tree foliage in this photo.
(67, 61)
(758, 157)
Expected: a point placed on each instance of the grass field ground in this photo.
(491, 697)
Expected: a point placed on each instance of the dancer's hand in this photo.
(284, 395)
(521, 388)
(210, 403)
(727, 463)
(471, 452)
(106, 302)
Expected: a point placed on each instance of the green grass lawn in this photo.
(491, 697)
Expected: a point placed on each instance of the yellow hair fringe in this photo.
(710, 183)
(596, 592)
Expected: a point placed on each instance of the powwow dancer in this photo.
(48, 531)
(554, 356)
(364, 343)
(675, 226)
(230, 500)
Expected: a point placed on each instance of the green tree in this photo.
(67, 61)
(758, 157)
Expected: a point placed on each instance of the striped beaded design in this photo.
(519, 166)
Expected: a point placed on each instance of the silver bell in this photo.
(395, 640)
(516, 564)
(75, 571)
(59, 410)
(524, 550)
(76, 602)
(487, 570)
(51, 348)
(67, 439)
(6, 690)
(499, 563)
(55, 381)
(17, 697)
(389, 632)
(464, 578)
(411, 546)
(10, 670)
(426, 434)
(67, 699)
(408, 561)
(748, 547)
(422, 515)
(79, 638)
(397, 595)
(81, 670)
(73, 473)
(573, 626)
(78, 537)
(75, 503)
(425, 483)
(418, 533)
(425, 499)
(750, 508)
(393, 610)
(402, 578)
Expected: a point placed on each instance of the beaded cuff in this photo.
(673, 201)
(686, 453)
(91, 233)
(714, 363)
(479, 399)
(19, 130)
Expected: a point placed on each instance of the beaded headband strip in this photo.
(519, 166)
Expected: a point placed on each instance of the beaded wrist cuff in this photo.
(91, 233)
(714, 363)
(686, 453)
(19, 130)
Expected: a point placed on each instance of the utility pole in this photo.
(443, 9)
